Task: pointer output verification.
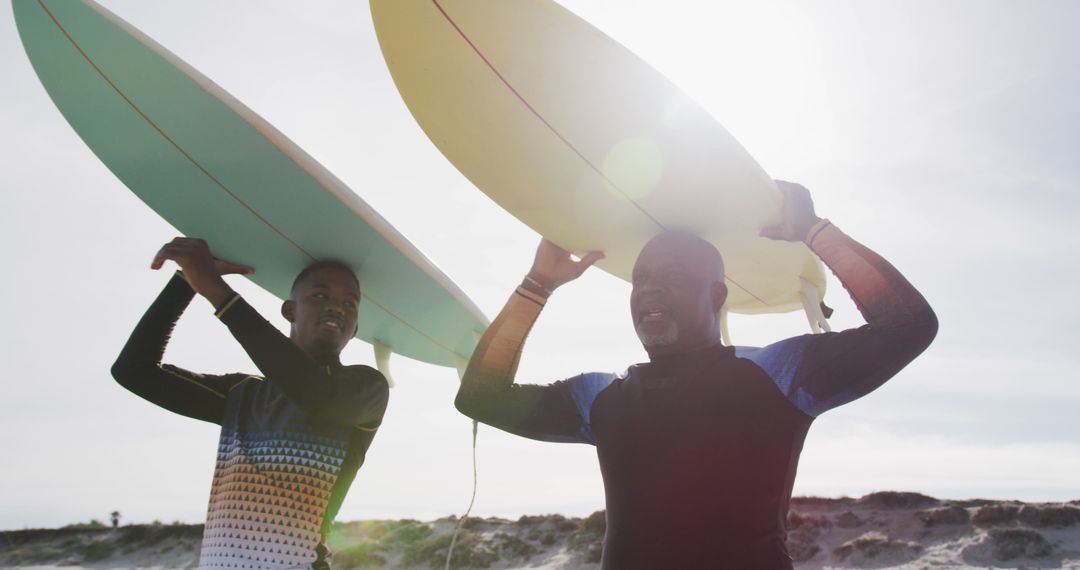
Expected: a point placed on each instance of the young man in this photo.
(292, 440)
(698, 447)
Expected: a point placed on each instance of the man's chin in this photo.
(658, 339)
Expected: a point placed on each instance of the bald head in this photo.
(690, 247)
(678, 291)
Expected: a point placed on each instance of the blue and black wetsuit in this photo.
(291, 440)
(699, 451)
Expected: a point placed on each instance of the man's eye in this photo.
(320, 296)
(350, 305)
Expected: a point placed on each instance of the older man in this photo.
(698, 447)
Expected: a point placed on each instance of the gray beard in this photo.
(654, 340)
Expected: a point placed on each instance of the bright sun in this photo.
(756, 67)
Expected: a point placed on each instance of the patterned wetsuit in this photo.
(699, 451)
(290, 443)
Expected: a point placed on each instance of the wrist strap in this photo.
(530, 284)
(541, 301)
(815, 230)
(227, 304)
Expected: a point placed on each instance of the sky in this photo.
(942, 135)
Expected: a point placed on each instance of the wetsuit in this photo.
(699, 451)
(291, 441)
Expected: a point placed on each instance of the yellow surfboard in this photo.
(586, 143)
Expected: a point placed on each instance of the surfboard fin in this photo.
(461, 363)
(382, 360)
(811, 299)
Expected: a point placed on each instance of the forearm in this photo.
(832, 369)
(275, 355)
(139, 366)
(487, 391)
(145, 348)
(886, 300)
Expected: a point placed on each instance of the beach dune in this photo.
(901, 530)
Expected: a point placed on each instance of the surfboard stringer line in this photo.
(307, 164)
(558, 134)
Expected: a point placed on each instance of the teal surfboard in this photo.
(214, 169)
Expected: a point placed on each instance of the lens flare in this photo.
(633, 166)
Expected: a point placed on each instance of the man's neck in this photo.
(660, 354)
(325, 358)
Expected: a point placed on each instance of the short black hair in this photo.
(324, 264)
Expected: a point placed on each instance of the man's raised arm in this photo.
(827, 370)
(488, 392)
(353, 396)
(140, 369)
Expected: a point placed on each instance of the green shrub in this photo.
(361, 555)
(512, 547)
(590, 531)
(93, 524)
(470, 551)
(96, 551)
(405, 532)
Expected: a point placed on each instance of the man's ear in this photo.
(356, 328)
(718, 292)
(288, 310)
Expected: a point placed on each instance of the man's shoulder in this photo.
(786, 351)
(363, 374)
(583, 390)
(591, 379)
(783, 362)
(363, 370)
(584, 387)
(243, 386)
